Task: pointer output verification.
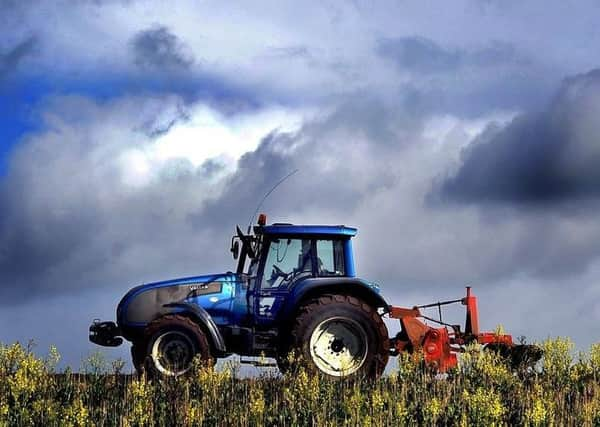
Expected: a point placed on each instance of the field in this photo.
(561, 390)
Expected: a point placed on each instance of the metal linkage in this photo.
(438, 346)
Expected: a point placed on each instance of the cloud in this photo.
(419, 54)
(159, 49)
(80, 196)
(100, 183)
(423, 55)
(539, 158)
(287, 52)
(10, 60)
(492, 75)
(480, 66)
(102, 174)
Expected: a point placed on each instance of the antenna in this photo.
(267, 195)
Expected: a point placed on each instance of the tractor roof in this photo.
(291, 229)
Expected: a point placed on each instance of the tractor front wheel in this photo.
(172, 342)
(341, 336)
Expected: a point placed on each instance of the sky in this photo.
(461, 139)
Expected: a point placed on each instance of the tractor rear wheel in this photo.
(340, 336)
(172, 342)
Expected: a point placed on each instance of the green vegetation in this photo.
(561, 390)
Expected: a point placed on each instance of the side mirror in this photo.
(235, 249)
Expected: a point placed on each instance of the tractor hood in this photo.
(146, 302)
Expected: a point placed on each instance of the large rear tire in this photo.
(171, 344)
(340, 336)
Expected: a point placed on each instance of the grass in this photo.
(561, 390)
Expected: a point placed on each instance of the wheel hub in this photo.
(172, 353)
(339, 346)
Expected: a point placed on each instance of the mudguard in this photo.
(204, 319)
(312, 288)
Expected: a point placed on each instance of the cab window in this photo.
(287, 259)
(330, 258)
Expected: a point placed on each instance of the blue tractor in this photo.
(294, 290)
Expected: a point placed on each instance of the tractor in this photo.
(295, 290)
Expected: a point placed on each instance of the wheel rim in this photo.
(338, 346)
(172, 353)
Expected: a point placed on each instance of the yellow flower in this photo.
(433, 410)
(195, 413)
(76, 414)
(28, 378)
(257, 404)
(140, 395)
(595, 357)
(484, 407)
(543, 407)
(537, 414)
(3, 411)
(400, 411)
(499, 330)
(377, 401)
(557, 358)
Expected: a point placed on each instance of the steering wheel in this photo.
(279, 272)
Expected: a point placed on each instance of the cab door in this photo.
(287, 261)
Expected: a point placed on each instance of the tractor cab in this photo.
(290, 251)
(278, 260)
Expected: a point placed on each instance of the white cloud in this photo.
(205, 135)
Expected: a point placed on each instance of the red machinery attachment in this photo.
(440, 345)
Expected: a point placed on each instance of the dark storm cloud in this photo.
(10, 60)
(495, 75)
(158, 48)
(422, 55)
(546, 157)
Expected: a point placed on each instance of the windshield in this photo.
(287, 259)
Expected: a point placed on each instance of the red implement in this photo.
(440, 345)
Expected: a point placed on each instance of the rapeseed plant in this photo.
(433, 410)
(483, 407)
(558, 360)
(541, 409)
(76, 415)
(594, 359)
(484, 390)
(140, 393)
(257, 405)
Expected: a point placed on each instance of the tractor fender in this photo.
(200, 316)
(314, 287)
